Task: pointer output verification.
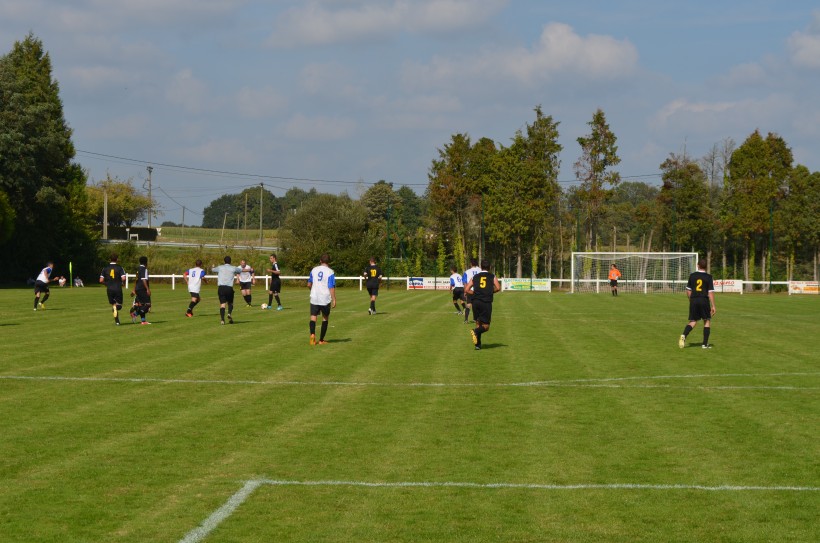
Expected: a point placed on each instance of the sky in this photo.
(220, 95)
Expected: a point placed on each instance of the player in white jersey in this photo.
(194, 277)
(466, 278)
(41, 286)
(246, 278)
(322, 283)
(457, 288)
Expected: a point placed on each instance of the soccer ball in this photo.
(264, 306)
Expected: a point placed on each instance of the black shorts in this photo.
(225, 294)
(373, 291)
(39, 287)
(613, 282)
(458, 294)
(143, 298)
(275, 285)
(700, 309)
(244, 286)
(468, 298)
(194, 295)
(323, 309)
(114, 296)
(482, 311)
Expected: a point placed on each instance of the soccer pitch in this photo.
(580, 420)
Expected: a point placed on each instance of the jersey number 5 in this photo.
(482, 282)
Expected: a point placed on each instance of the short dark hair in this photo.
(453, 269)
(701, 264)
(198, 262)
(273, 255)
(474, 262)
(143, 260)
(114, 257)
(227, 260)
(373, 259)
(325, 259)
(485, 264)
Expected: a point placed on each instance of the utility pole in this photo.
(261, 191)
(105, 213)
(150, 198)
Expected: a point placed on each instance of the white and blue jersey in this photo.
(456, 281)
(321, 280)
(468, 275)
(45, 275)
(194, 277)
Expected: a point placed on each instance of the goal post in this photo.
(640, 272)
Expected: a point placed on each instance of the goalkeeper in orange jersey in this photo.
(614, 275)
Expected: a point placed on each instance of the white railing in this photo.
(178, 277)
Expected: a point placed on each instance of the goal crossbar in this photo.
(640, 272)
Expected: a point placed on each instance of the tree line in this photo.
(748, 208)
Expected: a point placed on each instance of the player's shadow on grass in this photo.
(10, 324)
(340, 340)
(485, 346)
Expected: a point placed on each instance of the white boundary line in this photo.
(214, 519)
(608, 382)
(595, 383)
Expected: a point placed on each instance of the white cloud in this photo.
(187, 91)
(724, 117)
(264, 102)
(559, 51)
(805, 46)
(315, 24)
(744, 75)
(319, 128)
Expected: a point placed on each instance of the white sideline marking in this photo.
(209, 524)
(607, 382)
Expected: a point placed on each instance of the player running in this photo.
(482, 288)
(246, 279)
(41, 286)
(142, 293)
(113, 276)
(194, 277)
(457, 289)
(466, 278)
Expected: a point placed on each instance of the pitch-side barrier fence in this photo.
(736, 286)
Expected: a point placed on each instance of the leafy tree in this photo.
(7, 216)
(126, 205)
(330, 224)
(378, 199)
(757, 175)
(685, 200)
(525, 192)
(43, 186)
(797, 217)
(598, 154)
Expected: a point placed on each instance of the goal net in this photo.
(640, 272)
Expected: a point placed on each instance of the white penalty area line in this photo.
(606, 382)
(226, 510)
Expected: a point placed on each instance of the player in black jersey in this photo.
(113, 276)
(275, 283)
(701, 292)
(142, 292)
(373, 278)
(481, 288)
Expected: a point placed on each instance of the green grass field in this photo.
(580, 420)
(197, 234)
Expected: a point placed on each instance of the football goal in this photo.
(640, 272)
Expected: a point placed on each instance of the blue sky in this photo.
(338, 94)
